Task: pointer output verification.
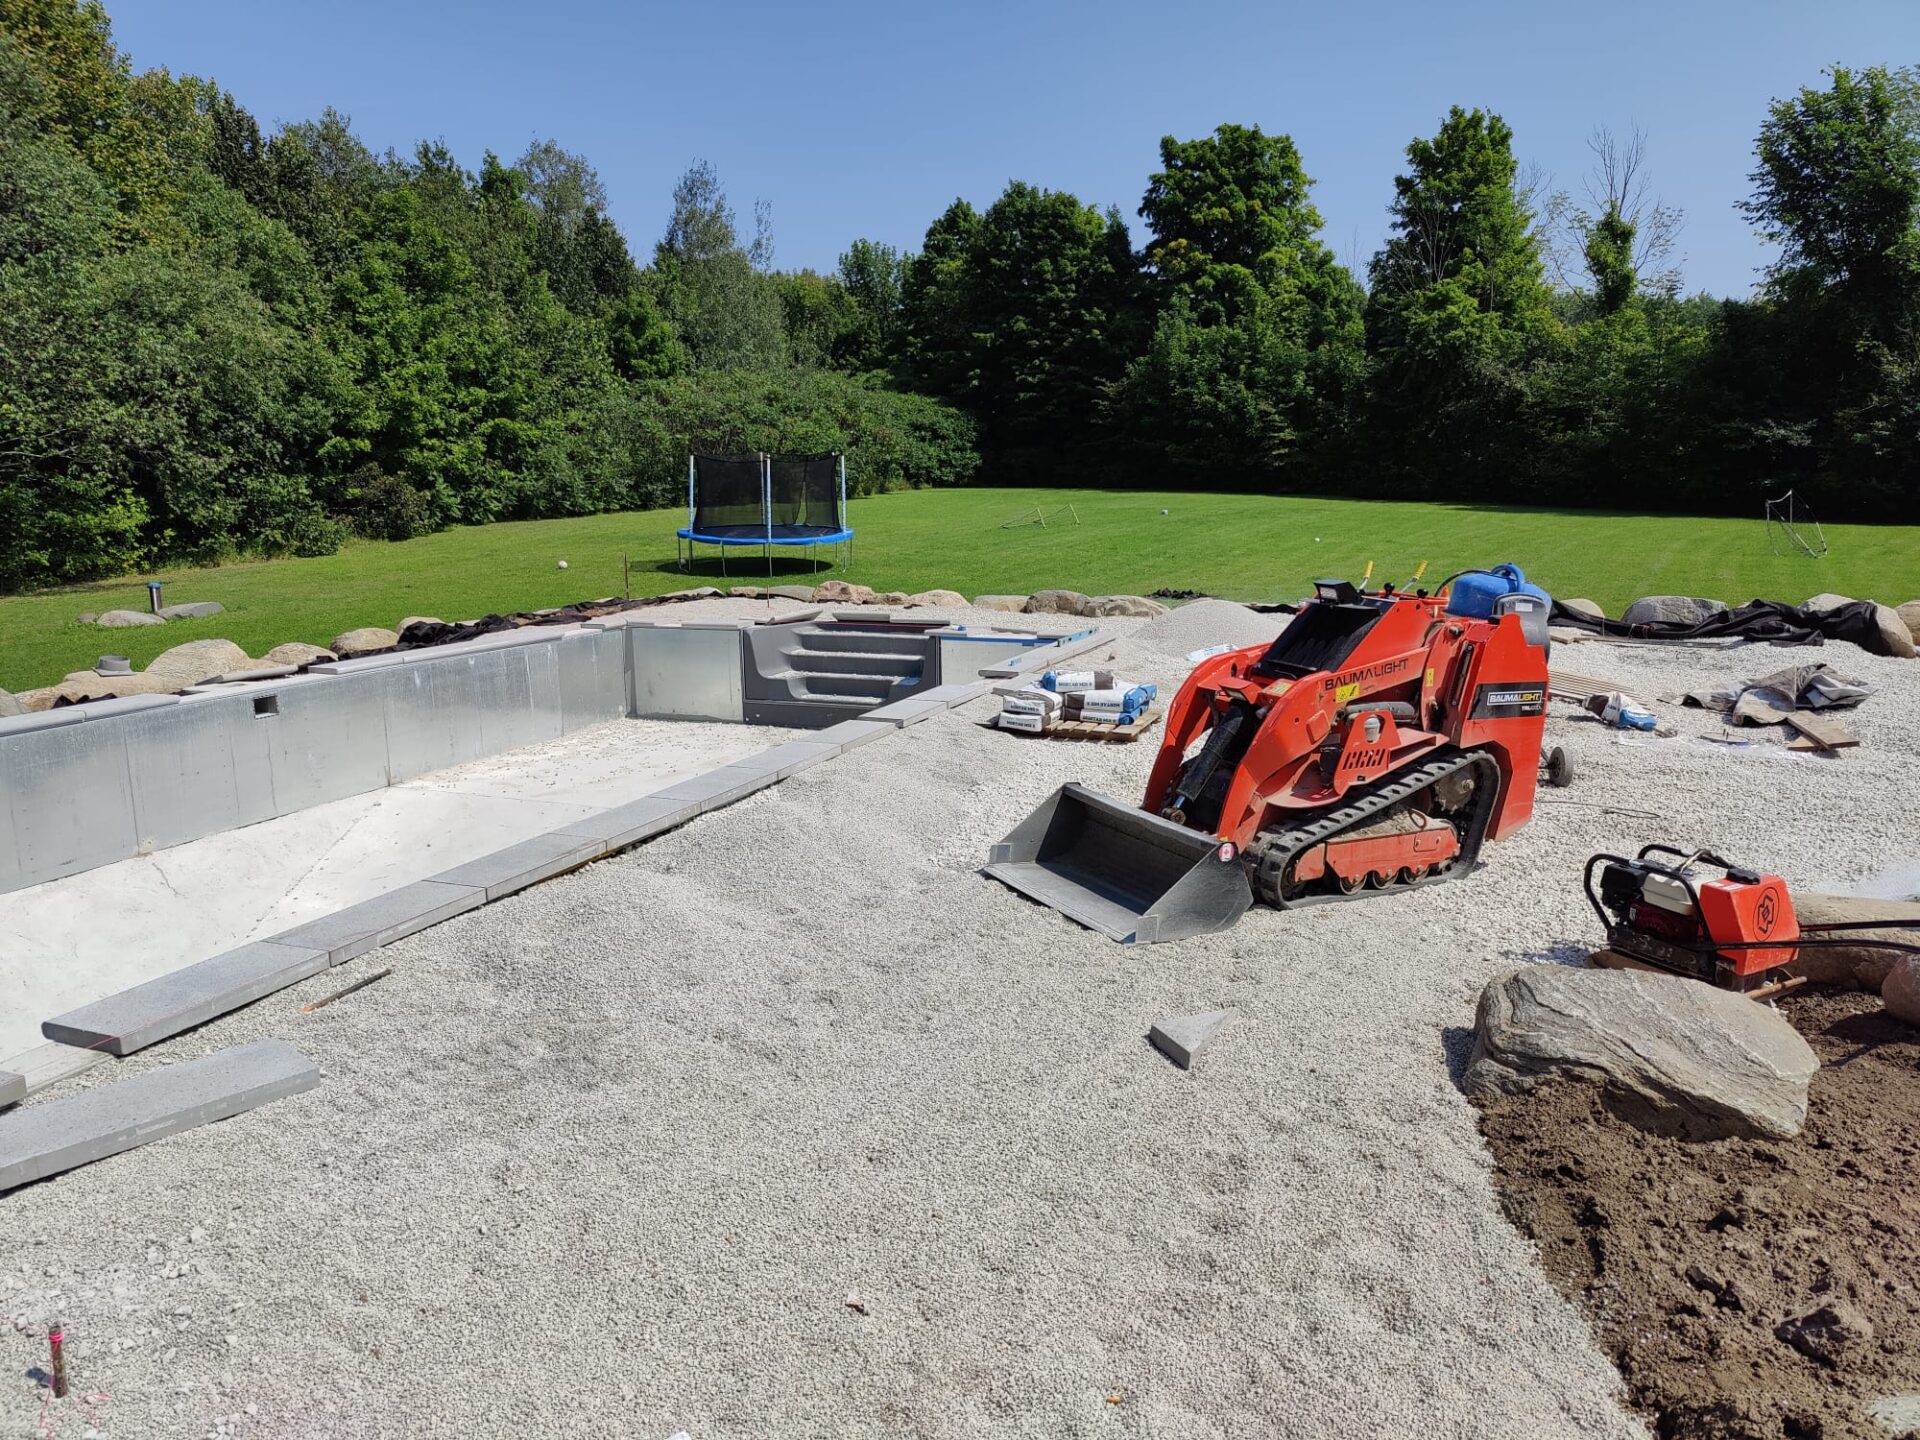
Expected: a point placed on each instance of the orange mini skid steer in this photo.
(1372, 747)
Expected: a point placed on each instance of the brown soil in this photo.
(1692, 1261)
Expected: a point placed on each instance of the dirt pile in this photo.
(1745, 1288)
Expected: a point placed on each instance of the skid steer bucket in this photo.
(1134, 877)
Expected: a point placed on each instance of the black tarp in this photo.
(1770, 620)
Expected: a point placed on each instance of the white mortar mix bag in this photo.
(1030, 705)
(1063, 682)
(1032, 724)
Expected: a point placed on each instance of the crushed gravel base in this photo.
(612, 1156)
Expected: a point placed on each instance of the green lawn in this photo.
(1241, 546)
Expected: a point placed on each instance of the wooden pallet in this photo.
(1091, 729)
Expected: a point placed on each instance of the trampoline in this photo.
(765, 501)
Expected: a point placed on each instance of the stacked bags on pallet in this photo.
(1093, 696)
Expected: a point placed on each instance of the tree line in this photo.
(215, 341)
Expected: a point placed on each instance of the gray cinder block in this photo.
(382, 920)
(633, 822)
(528, 863)
(851, 733)
(58, 1135)
(146, 1014)
(718, 788)
(1182, 1038)
(786, 758)
(13, 1088)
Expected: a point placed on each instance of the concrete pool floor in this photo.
(71, 941)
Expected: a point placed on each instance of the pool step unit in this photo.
(814, 675)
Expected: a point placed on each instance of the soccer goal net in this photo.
(1793, 528)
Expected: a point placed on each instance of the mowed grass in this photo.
(1247, 547)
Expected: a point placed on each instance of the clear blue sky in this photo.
(868, 118)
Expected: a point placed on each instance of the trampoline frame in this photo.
(685, 540)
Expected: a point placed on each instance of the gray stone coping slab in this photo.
(1182, 1037)
(13, 1088)
(1046, 657)
(51, 1063)
(524, 864)
(149, 1013)
(263, 672)
(851, 733)
(45, 1139)
(40, 720)
(718, 788)
(357, 664)
(352, 932)
(123, 705)
(952, 695)
(632, 822)
(906, 712)
(786, 758)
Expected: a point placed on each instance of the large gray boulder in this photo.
(1900, 991)
(1672, 1055)
(1140, 605)
(192, 610)
(297, 652)
(1675, 609)
(1057, 602)
(364, 641)
(127, 619)
(1857, 965)
(196, 661)
(1011, 604)
(841, 592)
(1826, 600)
(8, 705)
(1895, 634)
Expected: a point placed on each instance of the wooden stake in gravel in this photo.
(56, 1339)
(360, 984)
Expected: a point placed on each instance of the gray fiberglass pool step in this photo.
(854, 662)
(815, 674)
(875, 689)
(845, 639)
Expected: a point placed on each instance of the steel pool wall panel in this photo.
(69, 799)
(329, 739)
(192, 770)
(593, 678)
(689, 672)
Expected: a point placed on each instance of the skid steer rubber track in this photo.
(1272, 853)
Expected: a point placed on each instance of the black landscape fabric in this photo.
(1772, 620)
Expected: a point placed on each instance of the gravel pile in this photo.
(790, 1123)
(1203, 623)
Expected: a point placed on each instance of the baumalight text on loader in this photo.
(1372, 747)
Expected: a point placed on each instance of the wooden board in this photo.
(1091, 729)
(1825, 731)
(1570, 685)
